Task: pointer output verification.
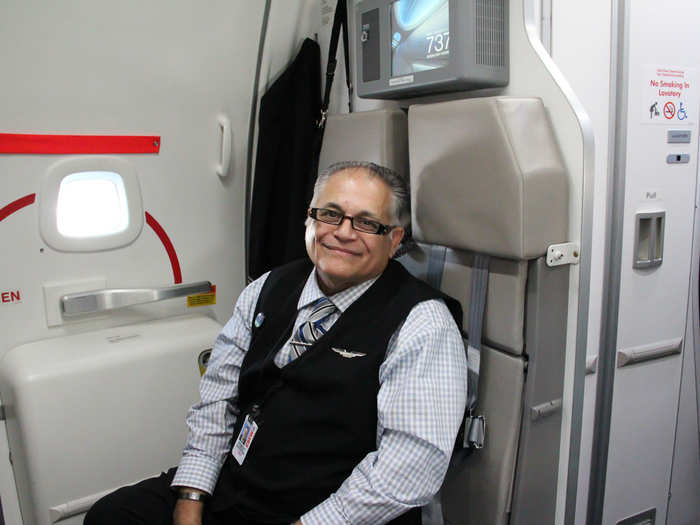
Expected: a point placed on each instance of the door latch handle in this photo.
(110, 299)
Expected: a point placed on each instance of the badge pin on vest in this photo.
(259, 319)
(347, 354)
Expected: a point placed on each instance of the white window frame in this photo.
(48, 201)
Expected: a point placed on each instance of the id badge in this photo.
(244, 440)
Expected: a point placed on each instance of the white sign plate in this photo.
(670, 96)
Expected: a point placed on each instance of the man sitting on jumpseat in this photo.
(335, 392)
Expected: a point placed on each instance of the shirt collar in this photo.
(342, 300)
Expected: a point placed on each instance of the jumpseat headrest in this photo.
(487, 176)
(376, 136)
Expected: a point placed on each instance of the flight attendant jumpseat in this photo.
(487, 178)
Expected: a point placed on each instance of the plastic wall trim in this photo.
(649, 352)
(78, 506)
(586, 243)
(619, 76)
(251, 136)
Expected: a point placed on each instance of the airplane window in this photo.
(91, 204)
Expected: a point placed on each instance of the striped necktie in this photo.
(312, 329)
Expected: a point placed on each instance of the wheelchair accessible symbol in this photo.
(682, 115)
(669, 110)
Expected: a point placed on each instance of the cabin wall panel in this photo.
(163, 68)
(653, 302)
(167, 68)
(684, 505)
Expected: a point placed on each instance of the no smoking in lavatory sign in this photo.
(670, 95)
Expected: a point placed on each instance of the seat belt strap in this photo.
(475, 425)
(340, 22)
(346, 57)
(436, 265)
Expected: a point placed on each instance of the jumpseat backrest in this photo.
(487, 177)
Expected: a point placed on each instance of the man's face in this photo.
(345, 257)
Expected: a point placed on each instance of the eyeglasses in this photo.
(361, 224)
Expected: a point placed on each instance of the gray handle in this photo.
(591, 364)
(640, 354)
(104, 300)
(545, 409)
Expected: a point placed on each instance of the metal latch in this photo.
(566, 253)
(545, 409)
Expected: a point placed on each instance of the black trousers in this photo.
(151, 502)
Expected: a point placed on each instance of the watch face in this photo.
(420, 35)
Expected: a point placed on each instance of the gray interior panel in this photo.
(505, 299)
(478, 491)
(377, 136)
(535, 491)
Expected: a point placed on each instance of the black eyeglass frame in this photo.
(382, 229)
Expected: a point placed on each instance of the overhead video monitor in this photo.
(420, 36)
(412, 47)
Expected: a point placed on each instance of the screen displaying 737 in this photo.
(420, 35)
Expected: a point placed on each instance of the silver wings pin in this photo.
(345, 353)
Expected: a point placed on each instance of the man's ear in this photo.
(396, 236)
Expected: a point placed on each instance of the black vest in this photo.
(317, 416)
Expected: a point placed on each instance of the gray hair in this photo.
(401, 212)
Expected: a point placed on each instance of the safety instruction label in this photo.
(400, 81)
(670, 96)
(10, 296)
(202, 299)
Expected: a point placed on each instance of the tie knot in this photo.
(322, 309)
(321, 301)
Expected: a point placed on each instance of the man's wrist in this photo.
(192, 495)
(184, 493)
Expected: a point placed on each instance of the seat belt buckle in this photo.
(474, 431)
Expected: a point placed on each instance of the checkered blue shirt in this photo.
(419, 409)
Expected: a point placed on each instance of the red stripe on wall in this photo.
(17, 205)
(169, 248)
(20, 143)
(27, 200)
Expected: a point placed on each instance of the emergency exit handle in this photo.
(96, 301)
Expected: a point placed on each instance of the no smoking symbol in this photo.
(669, 110)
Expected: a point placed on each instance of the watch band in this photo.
(191, 495)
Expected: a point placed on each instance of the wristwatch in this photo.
(192, 495)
